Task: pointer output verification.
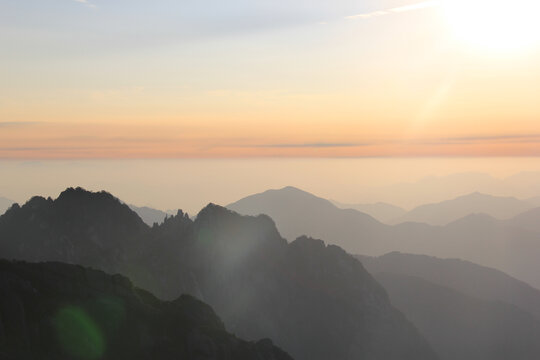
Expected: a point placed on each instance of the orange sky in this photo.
(395, 85)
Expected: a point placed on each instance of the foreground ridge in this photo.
(60, 311)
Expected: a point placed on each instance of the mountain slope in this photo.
(461, 327)
(299, 293)
(383, 212)
(150, 215)
(314, 301)
(5, 204)
(60, 311)
(462, 276)
(448, 211)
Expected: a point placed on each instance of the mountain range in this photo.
(445, 212)
(313, 300)
(466, 311)
(449, 211)
(511, 245)
(462, 327)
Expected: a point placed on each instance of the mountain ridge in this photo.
(445, 212)
(463, 276)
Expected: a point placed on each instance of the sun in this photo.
(495, 25)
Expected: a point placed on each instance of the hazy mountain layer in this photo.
(150, 215)
(314, 301)
(385, 213)
(529, 220)
(465, 277)
(448, 211)
(514, 249)
(59, 311)
(461, 327)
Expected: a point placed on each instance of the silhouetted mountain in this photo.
(314, 301)
(79, 227)
(298, 213)
(477, 238)
(60, 311)
(461, 327)
(5, 204)
(299, 293)
(434, 189)
(451, 210)
(150, 216)
(463, 276)
(383, 212)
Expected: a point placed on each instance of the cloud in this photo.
(308, 145)
(518, 138)
(400, 9)
(6, 124)
(86, 3)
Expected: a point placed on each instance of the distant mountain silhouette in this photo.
(314, 301)
(448, 211)
(463, 276)
(60, 311)
(478, 238)
(434, 189)
(150, 215)
(463, 327)
(383, 212)
(298, 213)
(5, 204)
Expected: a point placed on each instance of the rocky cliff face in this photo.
(92, 229)
(315, 301)
(60, 311)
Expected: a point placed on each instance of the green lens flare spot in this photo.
(78, 334)
(205, 236)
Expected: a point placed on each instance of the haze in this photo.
(191, 184)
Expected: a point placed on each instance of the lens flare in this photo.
(78, 334)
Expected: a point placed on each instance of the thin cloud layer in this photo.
(400, 9)
(86, 3)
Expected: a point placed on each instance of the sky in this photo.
(208, 79)
(190, 184)
(175, 104)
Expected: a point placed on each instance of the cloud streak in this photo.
(308, 145)
(86, 3)
(401, 9)
(9, 124)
